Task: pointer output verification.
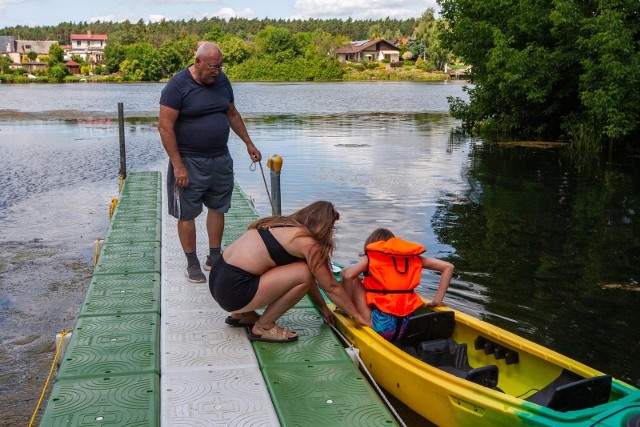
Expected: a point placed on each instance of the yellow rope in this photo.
(112, 207)
(96, 252)
(114, 201)
(46, 384)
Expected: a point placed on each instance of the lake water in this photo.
(543, 247)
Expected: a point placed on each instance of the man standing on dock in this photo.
(196, 112)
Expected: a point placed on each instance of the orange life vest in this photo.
(394, 272)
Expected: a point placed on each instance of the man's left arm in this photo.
(238, 126)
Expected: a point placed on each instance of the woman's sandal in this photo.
(273, 334)
(245, 319)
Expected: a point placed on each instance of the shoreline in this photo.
(373, 76)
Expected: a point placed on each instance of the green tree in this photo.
(214, 34)
(32, 55)
(58, 72)
(4, 64)
(544, 69)
(277, 42)
(375, 32)
(170, 60)
(320, 44)
(611, 62)
(56, 55)
(235, 50)
(143, 62)
(425, 32)
(175, 55)
(114, 54)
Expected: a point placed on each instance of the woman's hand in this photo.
(362, 321)
(328, 316)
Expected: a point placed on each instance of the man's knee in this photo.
(186, 226)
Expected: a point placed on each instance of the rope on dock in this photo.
(253, 168)
(112, 207)
(373, 381)
(114, 201)
(46, 384)
(96, 252)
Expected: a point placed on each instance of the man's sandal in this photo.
(273, 334)
(245, 319)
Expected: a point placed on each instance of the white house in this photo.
(88, 46)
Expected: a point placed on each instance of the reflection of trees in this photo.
(548, 242)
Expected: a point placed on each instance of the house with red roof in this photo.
(89, 46)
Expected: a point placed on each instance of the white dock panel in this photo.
(209, 372)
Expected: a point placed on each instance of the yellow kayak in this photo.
(456, 370)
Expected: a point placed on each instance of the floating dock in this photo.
(151, 349)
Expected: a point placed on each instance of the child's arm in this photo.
(349, 274)
(446, 272)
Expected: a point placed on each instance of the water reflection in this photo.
(547, 238)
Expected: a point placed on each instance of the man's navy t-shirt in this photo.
(202, 126)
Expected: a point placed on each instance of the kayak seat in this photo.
(426, 327)
(428, 337)
(571, 392)
(451, 357)
(485, 375)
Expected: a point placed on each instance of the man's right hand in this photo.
(181, 175)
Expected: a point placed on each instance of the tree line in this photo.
(157, 33)
(540, 69)
(265, 49)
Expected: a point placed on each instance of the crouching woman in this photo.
(275, 263)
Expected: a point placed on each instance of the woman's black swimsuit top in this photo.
(277, 253)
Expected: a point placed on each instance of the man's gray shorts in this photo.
(210, 183)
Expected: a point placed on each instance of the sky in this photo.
(34, 13)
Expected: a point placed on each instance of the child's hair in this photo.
(376, 235)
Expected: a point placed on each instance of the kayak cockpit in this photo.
(428, 337)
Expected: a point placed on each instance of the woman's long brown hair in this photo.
(315, 220)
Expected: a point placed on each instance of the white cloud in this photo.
(227, 12)
(111, 18)
(156, 18)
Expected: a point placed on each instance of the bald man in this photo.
(197, 111)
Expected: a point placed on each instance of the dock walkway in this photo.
(152, 349)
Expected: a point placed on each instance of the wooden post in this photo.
(123, 157)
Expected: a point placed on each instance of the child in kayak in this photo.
(392, 268)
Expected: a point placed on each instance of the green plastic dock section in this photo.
(110, 373)
(313, 382)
